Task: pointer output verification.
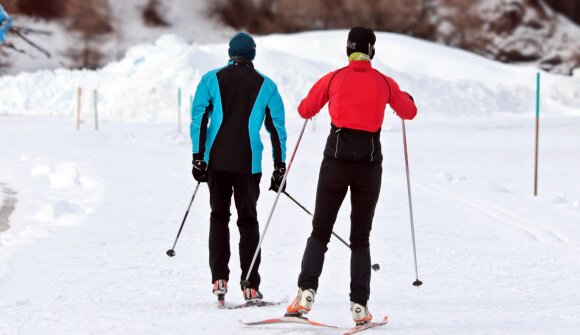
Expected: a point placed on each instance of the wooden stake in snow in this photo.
(79, 93)
(96, 99)
(537, 133)
(179, 110)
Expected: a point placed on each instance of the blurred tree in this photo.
(507, 30)
(92, 20)
(10, 5)
(235, 13)
(570, 8)
(152, 16)
(44, 9)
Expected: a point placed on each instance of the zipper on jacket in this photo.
(337, 137)
(373, 144)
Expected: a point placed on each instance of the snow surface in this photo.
(143, 86)
(96, 211)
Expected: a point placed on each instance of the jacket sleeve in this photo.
(275, 125)
(201, 108)
(316, 98)
(401, 102)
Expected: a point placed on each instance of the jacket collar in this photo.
(359, 64)
(237, 60)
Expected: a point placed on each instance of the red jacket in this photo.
(358, 96)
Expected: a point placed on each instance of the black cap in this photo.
(361, 39)
(242, 45)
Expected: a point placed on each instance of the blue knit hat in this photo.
(242, 45)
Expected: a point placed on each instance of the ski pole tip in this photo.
(170, 253)
(376, 267)
(417, 283)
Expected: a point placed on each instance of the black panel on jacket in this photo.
(239, 87)
(354, 145)
(203, 131)
(274, 136)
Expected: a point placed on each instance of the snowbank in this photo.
(143, 86)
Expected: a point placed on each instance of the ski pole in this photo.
(245, 283)
(171, 252)
(34, 45)
(312, 215)
(417, 282)
(375, 266)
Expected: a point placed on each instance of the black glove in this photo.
(277, 176)
(199, 169)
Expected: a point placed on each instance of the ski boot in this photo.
(220, 288)
(360, 314)
(251, 294)
(301, 304)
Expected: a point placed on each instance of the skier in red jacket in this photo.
(357, 96)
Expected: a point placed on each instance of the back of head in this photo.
(242, 45)
(362, 40)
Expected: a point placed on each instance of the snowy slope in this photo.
(473, 85)
(85, 253)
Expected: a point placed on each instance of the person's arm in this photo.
(275, 125)
(201, 108)
(316, 98)
(402, 102)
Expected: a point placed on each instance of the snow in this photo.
(156, 71)
(189, 18)
(96, 211)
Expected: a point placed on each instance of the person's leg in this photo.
(246, 194)
(364, 196)
(220, 193)
(333, 184)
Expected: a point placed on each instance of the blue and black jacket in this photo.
(5, 23)
(236, 100)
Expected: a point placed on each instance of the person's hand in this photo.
(199, 169)
(277, 176)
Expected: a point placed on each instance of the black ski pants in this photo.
(336, 177)
(246, 190)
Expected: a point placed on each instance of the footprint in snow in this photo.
(498, 188)
(559, 199)
(449, 178)
(61, 176)
(61, 212)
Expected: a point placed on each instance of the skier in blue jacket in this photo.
(229, 108)
(5, 24)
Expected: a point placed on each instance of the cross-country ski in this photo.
(255, 303)
(287, 319)
(367, 325)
